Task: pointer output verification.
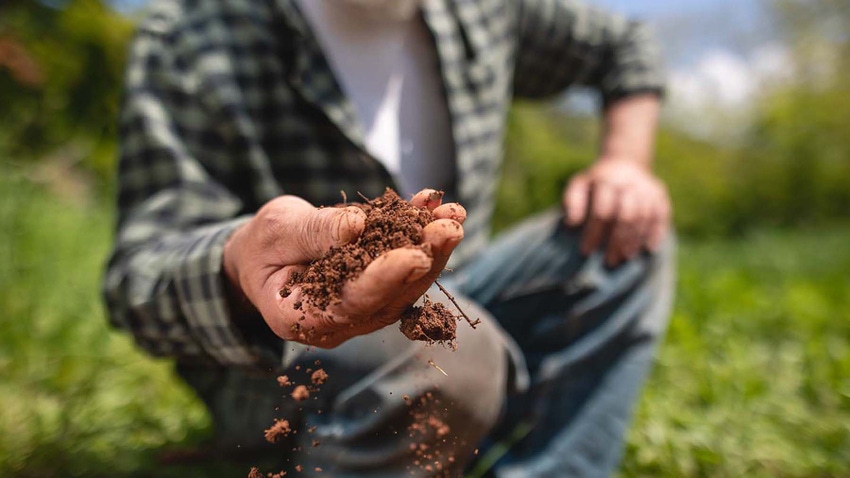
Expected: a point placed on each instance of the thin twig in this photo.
(431, 363)
(368, 201)
(344, 197)
(451, 298)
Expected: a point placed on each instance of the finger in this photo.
(646, 215)
(660, 224)
(383, 279)
(575, 200)
(624, 240)
(428, 198)
(443, 236)
(603, 206)
(318, 230)
(452, 210)
(275, 302)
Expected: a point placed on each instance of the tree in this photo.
(64, 82)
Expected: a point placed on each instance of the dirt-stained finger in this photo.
(452, 210)
(383, 279)
(324, 228)
(428, 198)
(275, 300)
(443, 235)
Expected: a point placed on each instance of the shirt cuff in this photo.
(637, 66)
(199, 282)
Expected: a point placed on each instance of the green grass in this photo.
(754, 379)
(75, 397)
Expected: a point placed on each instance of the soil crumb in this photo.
(255, 473)
(300, 393)
(429, 435)
(319, 377)
(283, 381)
(277, 431)
(391, 223)
(432, 322)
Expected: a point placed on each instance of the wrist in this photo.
(229, 262)
(626, 158)
(629, 129)
(238, 302)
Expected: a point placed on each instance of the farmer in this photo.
(242, 117)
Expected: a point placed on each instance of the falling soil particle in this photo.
(277, 431)
(283, 381)
(391, 223)
(440, 428)
(255, 473)
(319, 377)
(300, 393)
(428, 433)
(299, 468)
(432, 322)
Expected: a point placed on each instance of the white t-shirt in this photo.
(388, 68)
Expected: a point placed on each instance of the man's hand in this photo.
(288, 233)
(622, 206)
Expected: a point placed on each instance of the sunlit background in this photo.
(753, 380)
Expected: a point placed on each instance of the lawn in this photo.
(754, 379)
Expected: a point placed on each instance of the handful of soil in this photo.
(391, 223)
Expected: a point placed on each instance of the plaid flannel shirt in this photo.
(229, 103)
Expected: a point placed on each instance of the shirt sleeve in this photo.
(564, 43)
(164, 281)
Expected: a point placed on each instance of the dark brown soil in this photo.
(432, 322)
(391, 223)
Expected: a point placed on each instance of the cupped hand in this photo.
(622, 206)
(288, 233)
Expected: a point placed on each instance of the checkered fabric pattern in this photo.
(230, 103)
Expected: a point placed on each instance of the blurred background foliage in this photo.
(754, 379)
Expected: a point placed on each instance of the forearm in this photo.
(169, 292)
(629, 129)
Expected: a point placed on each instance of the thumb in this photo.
(323, 228)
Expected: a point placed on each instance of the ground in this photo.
(752, 380)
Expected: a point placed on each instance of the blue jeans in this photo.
(564, 347)
(586, 334)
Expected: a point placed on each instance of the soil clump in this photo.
(391, 223)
